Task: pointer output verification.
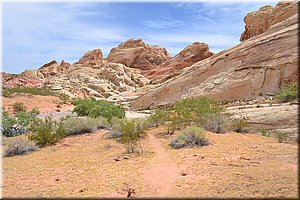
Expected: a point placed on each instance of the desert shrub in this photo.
(132, 130)
(46, 131)
(64, 98)
(19, 147)
(265, 132)
(93, 108)
(116, 124)
(18, 124)
(186, 112)
(19, 107)
(288, 93)
(191, 136)
(75, 126)
(282, 137)
(240, 124)
(27, 90)
(158, 117)
(6, 93)
(216, 122)
(195, 110)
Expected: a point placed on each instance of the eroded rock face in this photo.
(52, 69)
(280, 117)
(172, 67)
(103, 82)
(20, 80)
(260, 21)
(93, 57)
(257, 66)
(137, 54)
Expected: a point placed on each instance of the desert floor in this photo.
(233, 165)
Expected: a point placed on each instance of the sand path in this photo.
(162, 173)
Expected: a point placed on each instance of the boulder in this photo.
(173, 67)
(260, 21)
(93, 57)
(134, 53)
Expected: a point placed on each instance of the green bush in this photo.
(158, 117)
(27, 90)
(81, 125)
(186, 112)
(19, 147)
(191, 136)
(265, 132)
(93, 108)
(132, 130)
(46, 131)
(282, 137)
(64, 98)
(19, 107)
(240, 124)
(116, 124)
(18, 124)
(288, 93)
(196, 110)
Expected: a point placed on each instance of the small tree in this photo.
(46, 131)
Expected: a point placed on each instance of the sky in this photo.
(34, 33)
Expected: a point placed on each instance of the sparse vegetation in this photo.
(18, 124)
(19, 107)
(216, 122)
(288, 93)
(46, 131)
(240, 124)
(132, 130)
(186, 112)
(19, 147)
(191, 136)
(282, 137)
(116, 124)
(80, 125)
(7, 92)
(64, 98)
(157, 118)
(265, 132)
(93, 108)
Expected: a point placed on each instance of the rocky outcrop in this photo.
(281, 117)
(102, 82)
(20, 80)
(137, 54)
(52, 69)
(257, 66)
(173, 67)
(93, 57)
(90, 76)
(260, 21)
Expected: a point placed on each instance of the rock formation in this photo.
(260, 21)
(257, 66)
(20, 80)
(52, 69)
(172, 67)
(93, 57)
(137, 54)
(102, 82)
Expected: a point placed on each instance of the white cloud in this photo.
(163, 23)
(35, 32)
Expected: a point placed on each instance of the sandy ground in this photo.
(234, 165)
(42, 103)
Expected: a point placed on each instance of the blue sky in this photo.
(35, 33)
